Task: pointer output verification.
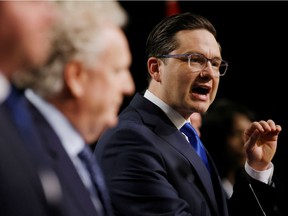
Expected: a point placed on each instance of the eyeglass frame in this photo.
(188, 56)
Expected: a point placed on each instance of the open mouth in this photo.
(202, 90)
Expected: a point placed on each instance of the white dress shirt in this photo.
(263, 176)
(4, 88)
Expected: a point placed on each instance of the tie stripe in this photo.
(97, 178)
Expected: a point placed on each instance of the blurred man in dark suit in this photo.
(77, 95)
(25, 29)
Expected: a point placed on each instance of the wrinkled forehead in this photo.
(200, 40)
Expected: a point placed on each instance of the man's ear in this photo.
(154, 68)
(74, 76)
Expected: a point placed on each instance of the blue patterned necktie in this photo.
(195, 141)
(97, 178)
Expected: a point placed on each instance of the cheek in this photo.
(214, 90)
(179, 80)
(100, 91)
(36, 45)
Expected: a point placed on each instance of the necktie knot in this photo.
(195, 141)
(86, 155)
(190, 132)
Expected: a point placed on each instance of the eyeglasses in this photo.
(197, 62)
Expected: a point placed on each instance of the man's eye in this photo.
(184, 58)
(197, 59)
(216, 63)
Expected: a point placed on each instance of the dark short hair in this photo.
(162, 41)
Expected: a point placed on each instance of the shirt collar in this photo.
(173, 115)
(71, 140)
(4, 87)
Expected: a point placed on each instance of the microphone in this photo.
(248, 180)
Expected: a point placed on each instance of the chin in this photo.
(202, 109)
(113, 122)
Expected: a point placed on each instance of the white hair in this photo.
(75, 38)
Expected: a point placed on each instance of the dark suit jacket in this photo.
(21, 192)
(76, 199)
(151, 169)
(21, 188)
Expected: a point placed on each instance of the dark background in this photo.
(254, 39)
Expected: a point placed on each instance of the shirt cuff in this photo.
(264, 176)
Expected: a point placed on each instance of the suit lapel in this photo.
(176, 139)
(155, 118)
(75, 194)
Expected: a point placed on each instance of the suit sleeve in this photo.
(253, 198)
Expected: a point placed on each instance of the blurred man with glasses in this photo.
(151, 167)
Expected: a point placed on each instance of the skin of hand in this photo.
(261, 143)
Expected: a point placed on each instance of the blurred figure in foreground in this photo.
(25, 41)
(77, 95)
(25, 37)
(223, 129)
